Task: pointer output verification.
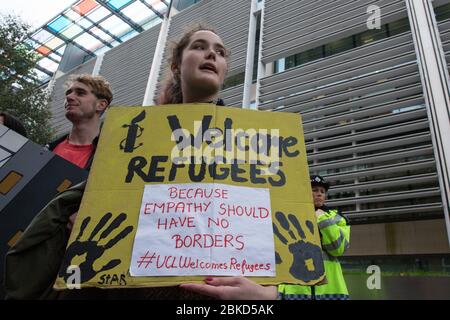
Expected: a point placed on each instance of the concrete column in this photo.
(250, 56)
(435, 83)
(150, 91)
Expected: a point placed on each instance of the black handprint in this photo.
(301, 250)
(92, 249)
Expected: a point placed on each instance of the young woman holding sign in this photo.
(198, 67)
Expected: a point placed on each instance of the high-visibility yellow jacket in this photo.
(335, 238)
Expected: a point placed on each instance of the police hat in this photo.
(317, 180)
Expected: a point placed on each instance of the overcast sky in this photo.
(35, 13)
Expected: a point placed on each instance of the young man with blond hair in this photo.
(87, 98)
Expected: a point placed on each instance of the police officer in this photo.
(335, 238)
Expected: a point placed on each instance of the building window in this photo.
(255, 58)
(370, 36)
(339, 46)
(278, 65)
(342, 45)
(442, 12)
(310, 55)
(398, 27)
(290, 62)
(234, 80)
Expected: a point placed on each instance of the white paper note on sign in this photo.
(204, 229)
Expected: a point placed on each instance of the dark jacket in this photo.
(32, 264)
(41, 249)
(43, 243)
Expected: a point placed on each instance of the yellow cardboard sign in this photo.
(253, 163)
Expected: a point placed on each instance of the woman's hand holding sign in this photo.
(233, 288)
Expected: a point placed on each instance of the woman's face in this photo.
(203, 67)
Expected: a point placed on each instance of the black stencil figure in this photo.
(92, 248)
(134, 132)
(301, 250)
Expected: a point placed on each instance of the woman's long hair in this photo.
(171, 92)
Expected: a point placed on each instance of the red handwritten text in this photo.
(237, 210)
(209, 241)
(169, 223)
(176, 207)
(195, 193)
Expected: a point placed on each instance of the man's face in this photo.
(81, 103)
(319, 196)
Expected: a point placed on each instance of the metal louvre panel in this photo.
(362, 125)
(394, 129)
(337, 15)
(364, 117)
(444, 30)
(372, 146)
(317, 23)
(127, 67)
(437, 3)
(444, 27)
(356, 86)
(374, 72)
(446, 46)
(58, 120)
(391, 182)
(384, 169)
(397, 44)
(432, 207)
(287, 90)
(343, 91)
(328, 118)
(340, 67)
(233, 96)
(374, 158)
(421, 193)
(380, 100)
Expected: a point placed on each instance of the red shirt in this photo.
(77, 154)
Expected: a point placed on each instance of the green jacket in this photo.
(32, 264)
(335, 238)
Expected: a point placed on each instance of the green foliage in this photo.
(21, 93)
